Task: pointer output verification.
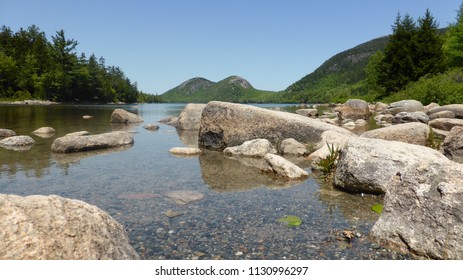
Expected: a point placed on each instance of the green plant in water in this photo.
(433, 141)
(328, 164)
(291, 221)
(377, 208)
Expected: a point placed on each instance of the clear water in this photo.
(236, 219)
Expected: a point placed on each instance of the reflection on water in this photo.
(236, 174)
(235, 220)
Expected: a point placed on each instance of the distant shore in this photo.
(29, 102)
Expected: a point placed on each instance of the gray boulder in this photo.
(422, 211)
(190, 117)
(226, 124)
(404, 106)
(442, 114)
(354, 109)
(445, 124)
(292, 147)
(79, 143)
(457, 109)
(54, 228)
(251, 148)
(6, 133)
(122, 116)
(453, 144)
(412, 133)
(45, 130)
(371, 165)
(284, 168)
(406, 117)
(17, 141)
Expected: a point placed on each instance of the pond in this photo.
(235, 219)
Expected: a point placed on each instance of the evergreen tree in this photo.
(429, 56)
(397, 67)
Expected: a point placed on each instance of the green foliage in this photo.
(328, 164)
(32, 67)
(433, 141)
(231, 89)
(453, 45)
(291, 221)
(445, 88)
(377, 208)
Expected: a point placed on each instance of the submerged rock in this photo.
(226, 124)
(151, 127)
(78, 143)
(54, 228)
(123, 116)
(185, 196)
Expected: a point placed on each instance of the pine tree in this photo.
(397, 67)
(429, 57)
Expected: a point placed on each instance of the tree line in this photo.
(416, 51)
(32, 67)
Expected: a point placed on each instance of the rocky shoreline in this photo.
(411, 160)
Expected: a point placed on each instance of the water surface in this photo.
(236, 219)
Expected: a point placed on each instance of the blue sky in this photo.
(160, 44)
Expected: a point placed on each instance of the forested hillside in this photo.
(32, 67)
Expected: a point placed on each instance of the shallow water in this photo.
(236, 218)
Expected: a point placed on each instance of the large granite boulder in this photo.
(6, 133)
(51, 227)
(371, 165)
(190, 117)
(422, 211)
(80, 143)
(412, 133)
(457, 109)
(354, 109)
(123, 116)
(252, 148)
(404, 106)
(226, 124)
